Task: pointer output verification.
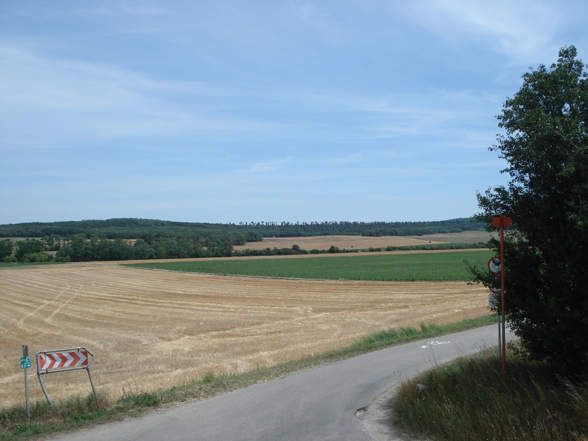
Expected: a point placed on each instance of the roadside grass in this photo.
(77, 413)
(470, 400)
(22, 264)
(427, 267)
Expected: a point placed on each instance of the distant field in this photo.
(463, 237)
(364, 242)
(342, 242)
(427, 267)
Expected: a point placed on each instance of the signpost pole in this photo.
(495, 266)
(499, 315)
(25, 355)
(502, 300)
(502, 222)
(499, 335)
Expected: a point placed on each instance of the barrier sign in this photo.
(70, 359)
(61, 360)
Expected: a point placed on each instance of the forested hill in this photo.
(131, 228)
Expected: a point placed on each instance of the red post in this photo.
(502, 295)
(502, 222)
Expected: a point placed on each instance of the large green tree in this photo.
(545, 143)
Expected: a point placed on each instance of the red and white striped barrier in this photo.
(58, 360)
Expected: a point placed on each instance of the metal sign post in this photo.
(495, 266)
(502, 222)
(62, 360)
(25, 363)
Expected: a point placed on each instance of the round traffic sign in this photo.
(494, 289)
(494, 265)
(495, 286)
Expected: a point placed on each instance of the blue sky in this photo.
(241, 111)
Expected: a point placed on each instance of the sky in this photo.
(263, 110)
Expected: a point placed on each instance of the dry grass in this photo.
(469, 399)
(463, 237)
(154, 329)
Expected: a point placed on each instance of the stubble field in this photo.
(155, 329)
(342, 242)
(365, 242)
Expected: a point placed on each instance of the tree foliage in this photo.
(28, 247)
(129, 228)
(545, 143)
(5, 248)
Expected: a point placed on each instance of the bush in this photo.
(36, 257)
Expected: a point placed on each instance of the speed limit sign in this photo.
(494, 265)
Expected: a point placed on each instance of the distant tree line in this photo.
(128, 239)
(80, 249)
(237, 234)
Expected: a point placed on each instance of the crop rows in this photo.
(429, 267)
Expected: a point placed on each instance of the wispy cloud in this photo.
(351, 159)
(522, 30)
(270, 165)
(80, 99)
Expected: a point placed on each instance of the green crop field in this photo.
(427, 267)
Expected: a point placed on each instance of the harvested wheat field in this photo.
(154, 329)
(343, 242)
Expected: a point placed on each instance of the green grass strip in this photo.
(426, 267)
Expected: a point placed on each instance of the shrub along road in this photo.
(334, 402)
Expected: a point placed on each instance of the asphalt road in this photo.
(345, 401)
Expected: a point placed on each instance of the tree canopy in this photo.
(131, 228)
(545, 143)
